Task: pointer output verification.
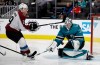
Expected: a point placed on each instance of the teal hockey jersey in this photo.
(75, 30)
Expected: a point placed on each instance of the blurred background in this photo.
(52, 9)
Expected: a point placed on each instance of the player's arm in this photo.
(57, 41)
(60, 37)
(32, 26)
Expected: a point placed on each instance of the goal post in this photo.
(95, 25)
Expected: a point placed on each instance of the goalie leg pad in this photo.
(62, 53)
(76, 44)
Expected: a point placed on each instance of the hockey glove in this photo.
(33, 26)
(52, 47)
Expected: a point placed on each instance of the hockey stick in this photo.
(42, 52)
(32, 55)
(35, 26)
(3, 53)
(64, 18)
(50, 24)
(10, 49)
(45, 50)
(51, 44)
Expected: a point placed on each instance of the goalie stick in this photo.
(45, 50)
(32, 55)
(51, 44)
(42, 52)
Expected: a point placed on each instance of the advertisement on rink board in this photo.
(3, 22)
(53, 28)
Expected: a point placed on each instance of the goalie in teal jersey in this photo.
(76, 41)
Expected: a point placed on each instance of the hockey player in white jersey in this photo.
(76, 41)
(16, 25)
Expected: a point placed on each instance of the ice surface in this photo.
(47, 58)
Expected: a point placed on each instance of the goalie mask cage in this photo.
(95, 31)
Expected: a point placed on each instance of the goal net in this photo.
(95, 34)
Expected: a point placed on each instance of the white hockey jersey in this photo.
(17, 22)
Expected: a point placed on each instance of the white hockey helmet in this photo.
(22, 5)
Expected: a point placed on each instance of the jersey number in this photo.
(12, 17)
(10, 20)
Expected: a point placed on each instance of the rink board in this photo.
(49, 32)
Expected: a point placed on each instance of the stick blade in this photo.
(32, 55)
(3, 53)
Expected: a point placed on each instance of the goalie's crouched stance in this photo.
(74, 34)
(74, 51)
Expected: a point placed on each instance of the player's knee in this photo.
(22, 42)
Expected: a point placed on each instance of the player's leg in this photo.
(17, 37)
(24, 49)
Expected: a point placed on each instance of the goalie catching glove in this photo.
(52, 46)
(33, 26)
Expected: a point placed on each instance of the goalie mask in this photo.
(68, 23)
